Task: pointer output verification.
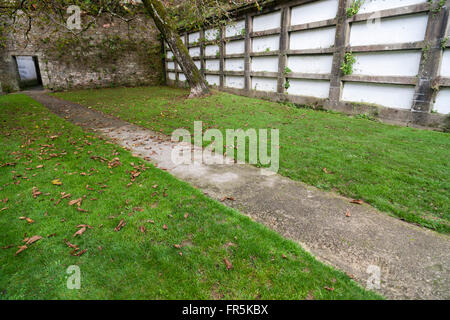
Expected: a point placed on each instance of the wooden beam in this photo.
(340, 44)
(248, 49)
(430, 62)
(284, 46)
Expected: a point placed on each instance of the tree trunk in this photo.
(168, 30)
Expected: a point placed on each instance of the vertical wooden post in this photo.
(430, 63)
(202, 51)
(340, 44)
(248, 49)
(222, 56)
(283, 48)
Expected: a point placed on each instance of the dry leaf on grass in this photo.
(57, 182)
(121, 224)
(357, 201)
(227, 263)
(79, 232)
(347, 213)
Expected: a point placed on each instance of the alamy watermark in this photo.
(74, 279)
(256, 151)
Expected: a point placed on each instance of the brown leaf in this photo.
(329, 288)
(85, 226)
(36, 192)
(21, 248)
(29, 220)
(70, 244)
(3, 209)
(228, 198)
(165, 227)
(79, 253)
(347, 213)
(80, 232)
(357, 201)
(177, 246)
(186, 215)
(77, 202)
(228, 263)
(142, 229)
(121, 224)
(33, 239)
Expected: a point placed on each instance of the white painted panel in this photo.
(269, 43)
(394, 96)
(309, 88)
(194, 37)
(269, 64)
(212, 65)
(237, 28)
(390, 30)
(267, 21)
(264, 84)
(211, 34)
(397, 63)
(234, 64)
(169, 54)
(212, 50)
(445, 68)
(234, 82)
(198, 64)
(235, 47)
(442, 104)
(181, 77)
(376, 5)
(213, 79)
(170, 65)
(194, 52)
(313, 39)
(311, 63)
(172, 76)
(314, 11)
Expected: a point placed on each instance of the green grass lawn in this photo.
(174, 242)
(401, 171)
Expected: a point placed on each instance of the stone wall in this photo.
(110, 53)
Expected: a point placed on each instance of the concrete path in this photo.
(414, 261)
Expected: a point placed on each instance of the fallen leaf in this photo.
(121, 224)
(228, 263)
(347, 213)
(227, 198)
(21, 248)
(142, 229)
(57, 182)
(77, 202)
(186, 215)
(329, 289)
(2, 209)
(165, 227)
(33, 239)
(357, 201)
(80, 253)
(70, 244)
(80, 232)
(177, 246)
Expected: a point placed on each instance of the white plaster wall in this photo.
(172, 76)
(314, 11)
(269, 64)
(235, 28)
(169, 54)
(320, 64)
(198, 64)
(445, 67)
(312, 39)
(213, 79)
(211, 50)
(261, 44)
(181, 77)
(267, 21)
(377, 5)
(211, 34)
(235, 47)
(234, 64)
(399, 63)
(170, 65)
(394, 96)
(194, 37)
(400, 29)
(264, 84)
(309, 88)
(212, 65)
(442, 104)
(194, 52)
(234, 82)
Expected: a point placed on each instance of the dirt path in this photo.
(414, 261)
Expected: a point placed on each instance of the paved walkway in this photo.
(414, 262)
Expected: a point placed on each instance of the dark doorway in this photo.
(29, 72)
